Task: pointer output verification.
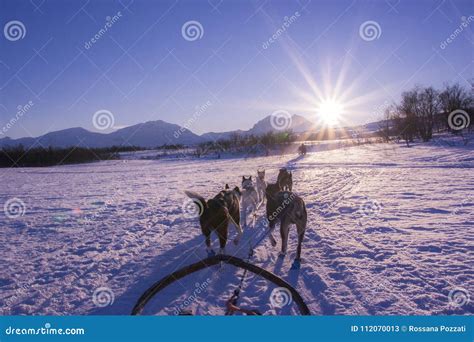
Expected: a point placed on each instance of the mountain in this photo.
(149, 135)
(296, 123)
(152, 134)
(213, 136)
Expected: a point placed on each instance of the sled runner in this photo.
(231, 306)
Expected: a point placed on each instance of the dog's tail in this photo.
(196, 197)
(301, 213)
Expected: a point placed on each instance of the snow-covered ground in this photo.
(390, 231)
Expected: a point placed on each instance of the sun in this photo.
(330, 111)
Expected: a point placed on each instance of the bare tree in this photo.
(405, 116)
(455, 97)
(384, 130)
(427, 106)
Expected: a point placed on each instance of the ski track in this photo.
(390, 231)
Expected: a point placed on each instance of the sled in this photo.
(211, 261)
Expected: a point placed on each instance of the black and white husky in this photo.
(249, 200)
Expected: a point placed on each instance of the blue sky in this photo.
(143, 68)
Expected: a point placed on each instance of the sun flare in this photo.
(330, 111)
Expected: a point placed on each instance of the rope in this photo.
(235, 296)
(166, 281)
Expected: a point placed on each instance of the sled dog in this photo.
(287, 208)
(217, 213)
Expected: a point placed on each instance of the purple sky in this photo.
(142, 67)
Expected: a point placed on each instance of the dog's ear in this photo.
(226, 186)
(243, 178)
(250, 178)
(237, 190)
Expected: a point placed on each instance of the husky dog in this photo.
(250, 200)
(261, 185)
(285, 180)
(216, 214)
(287, 208)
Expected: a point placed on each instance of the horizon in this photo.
(164, 61)
(173, 123)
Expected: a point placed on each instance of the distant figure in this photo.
(302, 149)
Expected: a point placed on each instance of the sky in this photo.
(237, 62)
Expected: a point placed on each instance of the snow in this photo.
(390, 231)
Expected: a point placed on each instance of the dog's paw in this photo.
(296, 264)
(273, 242)
(281, 255)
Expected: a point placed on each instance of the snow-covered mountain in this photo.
(295, 123)
(67, 137)
(149, 134)
(157, 133)
(154, 133)
(213, 136)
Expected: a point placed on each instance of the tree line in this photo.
(247, 143)
(19, 156)
(425, 110)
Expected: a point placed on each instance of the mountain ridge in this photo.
(151, 134)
